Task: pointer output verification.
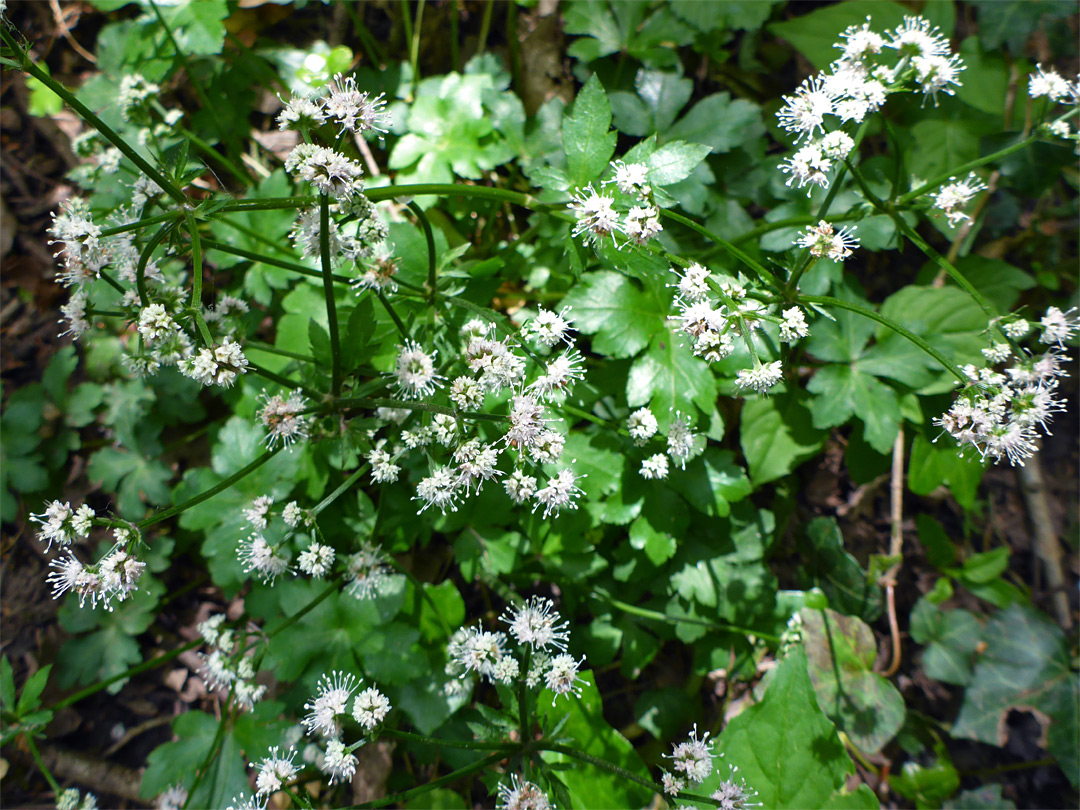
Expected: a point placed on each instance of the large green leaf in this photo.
(621, 315)
(827, 565)
(718, 122)
(815, 35)
(840, 652)
(668, 376)
(932, 465)
(843, 391)
(587, 139)
(785, 747)
(951, 638)
(777, 434)
(1026, 665)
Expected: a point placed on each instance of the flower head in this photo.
(655, 466)
(642, 426)
(370, 707)
(560, 493)
(760, 378)
(522, 795)
(353, 109)
(330, 700)
(562, 676)
(537, 624)
(275, 770)
(596, 216)
(283, 418)
(693, 758)
(415, 372)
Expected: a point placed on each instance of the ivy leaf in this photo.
(951, 638)
(840, 653)
(622, 315)
(1026, 664)
(785, 746)
(587, 141)
(777, 434)
(668, 376)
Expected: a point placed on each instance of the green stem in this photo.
(645, 613)
(41, 764)
(29, 66)
(211, 754)
(396, 798)
(141, 223)
(258, 237)
(266, 347)
(367, 41)
(415, 190)
(284, 382)
(759, 272)
(333, 587)
(485, 26)
(963, 169)
(144, 259)
(524, 725)
(328, 292)
(866, 312)
(429, 237)
(393, 315)
(421, 406)
(200, 91)
(414, 50)
(259, 257)
(197, 277)
(480, 745)
(333, 496)
(210, 493)
(791, 222)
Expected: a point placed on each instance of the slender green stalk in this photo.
(259, 257)
(367, 41)
(485, 26)
(284, 382)
(756, 269)
(29, 66)
(429, 237)
(344, 487)
(421, 406)
(266, 347)
(904, 199)
(414, 190)
(41, 764)
(866, 312)
(144, 259)
(454, 57)
(524, 723)
(791, 222)
(139, 224)
(197, 278)
(212, 752)
(645, 613)
(328, 292)
(393, 315)
(195, 500)
(480, 745)
(324, 594)
(130, 672)
(414, 50)
(200, 91)
(259, 237)
(397, 798)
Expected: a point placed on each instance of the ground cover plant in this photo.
(553, 405)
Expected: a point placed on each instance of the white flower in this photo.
(596, 216)
(476, 464)
(292, 514)
(713, 346)
(537, 624)
(655, 466)
(441, 489)
(330, 172)
(808, 166)
(383, 471)
(444, 429)
(836, 145)
(560, 493)
(316, 560)
(477, 650)
(339, 764)
(1058, 326)
(936, 73)
(997, 352)
(217, 366)
(415, 372)
(1059, 129)
(466, 393)
(563, 676)
(367, 571)
(954, 196)
(259, 557)
(210, 629)
(275, 771)
(672, 784)
(330, 700)
(642, 223)
(693, 283)
(74, 312)
(732, 795)
(804, 112)
(58, 524)
(824, 241)
(680, 440)
(860, 42)
(642, 426)
(354, 109)
(284, 419)
(370, 707)
(507, 670)
(548, 447)
(519, 486)
(527, 422)
(245, 802)
(172, 799)
(693, 758)
(1050, 84)
(562, 372)
(257, 512)
(793, 327)
(68, 576)
(548, 328)
(631, 179)
(155, 323)
(917, 37)
(522, 795)
(761, 378)
(300, 113)
(134, 90)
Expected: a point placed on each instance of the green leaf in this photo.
(777, 434)
(674, 161)
(584, 723)
(947, 137)
(814, 35)
(623, 316)
(668, 376)
(587, 141)
(712, 482)
(862, 798)
(718, 122)
(840, 652)
(138, 481)
(932, 465)
(30, 698)
(43, 101)
(940, 551)
(197, 25)
(987, 797)
(999, 281)
(985, 566)
(986, 77)
(1013, 21)
(785, 747)
(829, 566)
(951, 638)
(927, 785)
(1026, 665)
(842, 391)
(7, 684)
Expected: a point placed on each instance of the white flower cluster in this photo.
(632, 213)
(113, 578)
(714, 325)
(228, 665)
(1000, 413)
(521, 794)
(284, 419)
(856, 85)
(952, 198)
(362, 237)
(368, 571)
(69, 800)
(536, 625)
(352, 109)
(692, 762)
(824, 241)
(328, 710)
(491, 366)
(642, 426)
(134, 92)
(329, 171)
(1051, 85)
(174, 798)
(220, 365)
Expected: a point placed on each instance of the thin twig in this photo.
(896, 547)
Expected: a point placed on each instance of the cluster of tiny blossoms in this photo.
(1000, 413)
(716, 311)
(1057, 90)
(227, 666)
(542, 637)
(692, 763)
(69, 800)
(111, 579)
(487, 366)
(522, 794)
(631, 212)
(915, 56)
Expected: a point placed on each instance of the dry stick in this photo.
(896, 547)
(1047, 547)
